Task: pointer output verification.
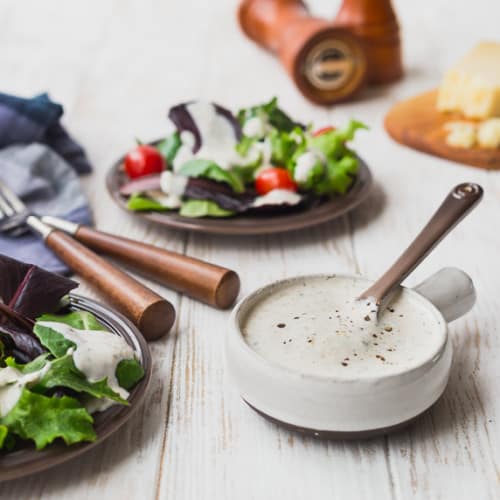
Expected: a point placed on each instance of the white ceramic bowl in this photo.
(350, 407)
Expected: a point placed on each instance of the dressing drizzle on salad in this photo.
(217, 135)
(12, 383)
(96, 355)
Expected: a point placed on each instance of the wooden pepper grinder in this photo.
(328, 61)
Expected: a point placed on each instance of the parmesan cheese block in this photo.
(472, 87)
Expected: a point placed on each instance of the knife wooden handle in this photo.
(209, 283)
(152, 314)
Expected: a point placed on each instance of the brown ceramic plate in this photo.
(250, 224)
(27, 460)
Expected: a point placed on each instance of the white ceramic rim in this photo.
(427, 363)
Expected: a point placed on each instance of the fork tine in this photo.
(5, 208)
(11, 198)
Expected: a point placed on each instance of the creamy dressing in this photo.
(305, 163)
(218, 140)
(317, 326)
(12, 383)
(255, 127)
(277, 197)
(173, 186)
(96, 355)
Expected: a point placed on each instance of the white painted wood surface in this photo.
(117, 66)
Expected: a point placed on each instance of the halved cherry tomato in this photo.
(322, 131)
(274, 178)
(143, 160)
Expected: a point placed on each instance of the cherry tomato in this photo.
(143, 160)
(274, 178)
(322, 131)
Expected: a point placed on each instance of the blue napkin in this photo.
(36, 119)
(48, 185)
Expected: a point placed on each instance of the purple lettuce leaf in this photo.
(200, 188)
(182, 119)
(29, 290)
(23, 344)
(231, 119)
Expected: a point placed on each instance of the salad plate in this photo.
(257, 171)
(27, 460)
(323, 211)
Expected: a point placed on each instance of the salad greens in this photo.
(203, 208)
(141, 203)
(42, 419)
(212, 144)
(210, 170)
(268, 111)
(168, 147)
(45, 394)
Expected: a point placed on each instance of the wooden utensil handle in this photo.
(152, 314)
(214, 285)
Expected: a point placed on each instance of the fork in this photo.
(214, 285)
(151, 313)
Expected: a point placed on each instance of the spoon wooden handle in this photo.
(152, 314)
(461, 200)
(214, 285)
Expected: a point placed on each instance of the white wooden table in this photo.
(117, 66)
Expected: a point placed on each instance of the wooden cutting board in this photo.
(416, 123)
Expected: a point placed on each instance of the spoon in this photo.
(459, 202)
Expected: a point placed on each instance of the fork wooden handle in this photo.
(209, 283)
(152, 314)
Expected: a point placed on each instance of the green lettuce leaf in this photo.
(210, 170)
(54, 341)
(332, 143)
(339, 176)
(271, 113)
(81, 320)
(3, 434)
(140, 203)
(168, 147)
(248, 166)
(33, 366)
(245, 144)
(286, 147)
(129, 372)
(63, 373)
(314, 176)
(43, 419)
(203, 208)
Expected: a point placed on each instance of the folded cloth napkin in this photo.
(37, 120)
(49, 186)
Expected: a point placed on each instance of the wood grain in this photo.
(116, 66)
(152, 314)
(209, 283)
(417, 123)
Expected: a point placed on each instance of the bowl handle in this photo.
(451, 291)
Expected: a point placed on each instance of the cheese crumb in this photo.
(461, 134)
(488, 134)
